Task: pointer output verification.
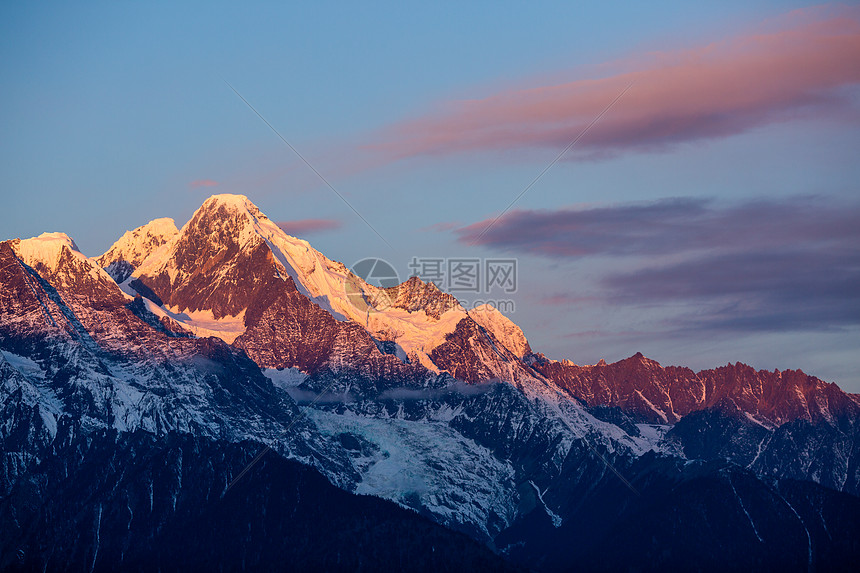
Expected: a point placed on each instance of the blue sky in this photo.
(424, 116)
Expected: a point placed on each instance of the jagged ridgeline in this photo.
(405, 430)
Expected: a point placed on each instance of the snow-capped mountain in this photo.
(248, 259)
(135, 246)
(75, 345)
(229, 334)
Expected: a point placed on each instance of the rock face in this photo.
(415, 294)
(215, 264)
(664, 395)
(780, 423)
(473, 354)
(130, 402)
(286, 330)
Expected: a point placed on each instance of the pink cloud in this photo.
(306, 226)
(792, 68)
(202, 183)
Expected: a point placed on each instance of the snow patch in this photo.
(556, 519)
(503, 329)
(26, 366)
(426, 465)
(47, 249)
(202, 323)
(33, 384)
(135, 246)
(286, 378)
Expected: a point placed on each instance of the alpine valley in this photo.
(398, 429)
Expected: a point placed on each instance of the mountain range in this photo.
(398, 428)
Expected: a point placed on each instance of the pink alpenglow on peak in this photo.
(129, 252)
(46, 249)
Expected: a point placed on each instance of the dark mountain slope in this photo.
(140, 503)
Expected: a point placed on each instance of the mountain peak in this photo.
(414, 294)
(162, 225)
(227, 219)
(130, 250)
(227, 199)
(55, 239)
(230, 202)
(46, 249)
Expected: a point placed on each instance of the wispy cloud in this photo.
(668, 226)
(791, 68)
(797, 288)
(306, 226)
(790, 264)
(202, 183)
